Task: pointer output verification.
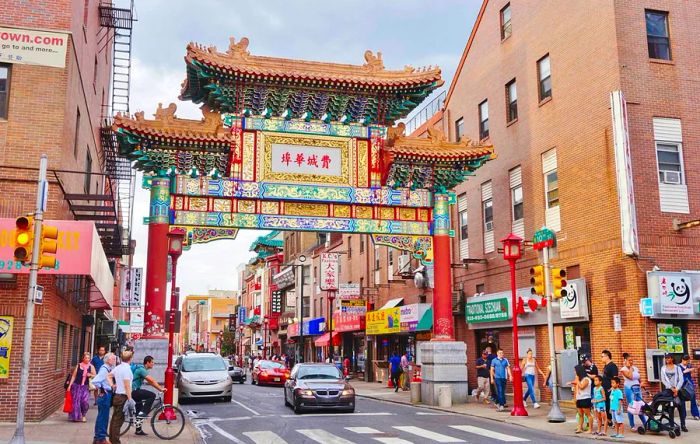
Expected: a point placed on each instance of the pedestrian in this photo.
(483, 377)
(632, 387)
(530, 368)
(346, 366)
(104, 385)
(492, 388)
(610, 371)
(500, 373)
(582, 387)
(122, 393)
(598, 405)
(97, 362)
(143, 398)
(687, 369)
(672, 380)
(79, 387)
(395, 369)
(405, 365)
(615, 404)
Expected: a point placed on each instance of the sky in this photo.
(407, 32)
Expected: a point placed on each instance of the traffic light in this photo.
(558, 283)
(537, 280)
(48, 246)
(24, 237)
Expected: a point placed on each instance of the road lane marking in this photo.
(323, 437)
(311, 415)
(423, 433)
(393, 441)
(436, 414)
(363, 430)
(223, 432)
(265, 437)
(246, 407)
(489, 434)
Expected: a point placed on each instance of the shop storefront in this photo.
(311, 328)
(349, 339)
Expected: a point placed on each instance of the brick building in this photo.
(536, 81)
(55, 77)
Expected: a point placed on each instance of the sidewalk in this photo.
(536, 421)
(57, 429)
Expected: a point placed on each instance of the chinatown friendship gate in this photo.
(300, 145)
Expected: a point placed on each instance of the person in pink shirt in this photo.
(79, 387)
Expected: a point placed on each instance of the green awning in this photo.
(426, 321)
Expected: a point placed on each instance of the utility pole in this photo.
(42, 189)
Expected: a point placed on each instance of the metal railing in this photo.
(425, 113)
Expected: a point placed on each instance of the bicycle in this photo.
(164, 426)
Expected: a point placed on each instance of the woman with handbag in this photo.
(672, 380)
(687, 368)
(633, 388)
(79, 388)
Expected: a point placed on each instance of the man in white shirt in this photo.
(122, 378)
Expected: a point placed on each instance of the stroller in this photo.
(658, 415)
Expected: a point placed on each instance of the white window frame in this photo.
(513, 202)
(541, 79)
(547, 190)
(482, 136)
(679, 146)
(484, 205)
(459, 128)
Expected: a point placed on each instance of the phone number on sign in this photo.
(10, 264)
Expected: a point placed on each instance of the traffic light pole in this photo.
(555, 413)
(18, 437)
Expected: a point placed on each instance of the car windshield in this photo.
(271, 364)
(318, 372)
(207, 364)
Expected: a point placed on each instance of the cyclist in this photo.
(144, 398)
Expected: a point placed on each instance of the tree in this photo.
(228, 345)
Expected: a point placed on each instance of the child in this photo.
(616, 407)
(599, 407)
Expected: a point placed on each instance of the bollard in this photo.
(176, 394)
(444, 396)
(415, 392)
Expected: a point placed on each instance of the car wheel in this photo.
(286, 403)
(297, 409)
(227, 398)
(252, 381)
(352, 410)
(241, 381)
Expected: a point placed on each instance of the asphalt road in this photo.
(258, 415)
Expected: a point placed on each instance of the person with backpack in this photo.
(143, 398)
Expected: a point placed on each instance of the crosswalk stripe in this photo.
(363, 430)
(391, 440)
(323, 437)
(489, 434)
(265, 437)
(423, 433)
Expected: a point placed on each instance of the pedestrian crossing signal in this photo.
(559, 283)
(537, 280)
(48, 246)
(24, 237)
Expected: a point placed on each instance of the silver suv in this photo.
(203, 375)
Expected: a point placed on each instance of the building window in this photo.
(544, 74)
(480, 288)
(488, 215)
(516, 195)
(88, 171)
(94, 76)
(658, 39)
(511, 101)
(552, 184)
(506, 29)
(390, 256)
(77, 134)
(670, 167)
(459, 129)
(4, 90)
(60, 346)
(377, 265)
(484, 119)
(349, 247)
(463, 225)
(362, 243)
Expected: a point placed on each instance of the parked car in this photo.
(269, 372)
(313, 386)
(237, 373)
(203, 375)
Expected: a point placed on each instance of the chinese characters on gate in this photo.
(311, 161)
(306, 160)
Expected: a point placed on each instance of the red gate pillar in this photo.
(157, 259)
(443, 321)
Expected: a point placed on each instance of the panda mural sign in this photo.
(676, 294)
(570, 306)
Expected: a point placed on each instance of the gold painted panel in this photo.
(246, 206)
(386, 213)
(248, 156)
(424, 215)
(179, 202)
(223, 205)
(270, 207)
(198, 203)
(341, 211)
(407, 213)
(362, 163)
(362, 212)
(306, 209)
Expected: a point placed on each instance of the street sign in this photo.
(38, 295)
(353, 306)
(329, 271)
(646, 307)
(349, 291)
(44, 195)
(543, 238)
(136, 320)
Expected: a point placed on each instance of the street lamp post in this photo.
(512, 251)
(266, 321)
(331, 299)
(301, 259)
(240, 342)
(175, 240)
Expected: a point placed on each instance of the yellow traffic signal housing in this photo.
(48, 246)
(24, 238)
(537, 280)
(559, 283)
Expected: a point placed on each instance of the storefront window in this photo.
(488, 338)
(671, 337)
(578, 337)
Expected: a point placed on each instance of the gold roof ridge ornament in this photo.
(166, 123)
(435, 146)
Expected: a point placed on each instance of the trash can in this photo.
(444, 396)
(415, 392)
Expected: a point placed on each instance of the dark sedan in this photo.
(237, 374)
(318, 386)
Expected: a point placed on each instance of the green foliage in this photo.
(228, 345)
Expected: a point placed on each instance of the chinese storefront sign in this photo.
(242, 312)
(131, 287)
(487, 311)
(329, 271)
(276, 304)
(284, 278)
(353, 306)
(303, 159)
(569, 306)
(349, 291)
(675, 294)
(348, 322)
(411, 316)
(6, 323)
(670, 338)
(384, 321)
(31, 47)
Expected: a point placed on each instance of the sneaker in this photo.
(536, 405)
(525, 404)
(141, 433)
(685, 429)
(500, 408)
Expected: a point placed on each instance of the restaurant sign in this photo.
(329, 271)
(349, 291)
(354, 306)
(487, 311)
(384, 321)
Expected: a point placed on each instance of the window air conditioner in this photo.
(672, 177)
(107, 328)
(404, 263)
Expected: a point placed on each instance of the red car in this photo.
(270, 372)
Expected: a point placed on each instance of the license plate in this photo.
(277, 379)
